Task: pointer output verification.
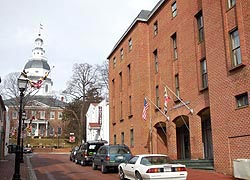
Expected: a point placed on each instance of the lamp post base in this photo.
(16, 177)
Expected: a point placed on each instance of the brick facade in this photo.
(217, 129)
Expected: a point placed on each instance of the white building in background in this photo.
(97, 121)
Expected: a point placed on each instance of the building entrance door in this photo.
(183, 142)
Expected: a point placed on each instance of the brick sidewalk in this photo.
(7, 168)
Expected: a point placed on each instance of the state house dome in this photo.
(41, 64)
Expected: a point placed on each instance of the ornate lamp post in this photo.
(22, 85)
(23, 118)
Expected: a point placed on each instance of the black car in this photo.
(87, 150)
(73, 152)
(110, 156)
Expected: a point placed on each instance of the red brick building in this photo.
(198, 50)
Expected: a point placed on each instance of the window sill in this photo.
(121, 120)
(242, 107)
(239, 66)
(203, 89)
(130, 116)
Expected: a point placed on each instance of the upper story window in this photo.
(52, 115)
(113, 87)
(42, 114)
(157, 97)
(114, 62)
(59, 115)
(46, 88)
(120, 74)
(177, 86)
(200, 27)
(231, 3)
(129, 74)
(130, 44)
(59, 131)
(174, 9)
(156, 61)
(174, 41)
(121, 54)
(242, 100)
(130, 105)
(204, 81)
(235, 48)
(155, 28)
(121, 109)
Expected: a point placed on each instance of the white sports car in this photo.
(151, 166)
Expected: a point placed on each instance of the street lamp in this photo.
(22, 85)
(23, 118)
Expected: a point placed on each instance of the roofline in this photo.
(137, 19)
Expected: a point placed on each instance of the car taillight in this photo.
(107, 158)
(155, 170)
(176, 169)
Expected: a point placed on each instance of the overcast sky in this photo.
(74, 31)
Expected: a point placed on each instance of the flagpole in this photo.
(158, 108)
(191, 110)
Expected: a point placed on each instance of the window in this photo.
(121, 54)
(174, 9)
(131, 137)
(120, 74)
(155, 28)
(46, 88)
(130, 44)
(157, 102)
(242, 100)
(200, 27)
(59, 131)
(174, 45)
(231, 3)
(129, 74)
(113, 87)
(122, 138)
(33, 113)
(115, 139)
(114, 62)
(42, 114)
(130, 105)
(156, 60)
(59, 115)
(121, 110)
(51, 131)
(235, 48)
(52, 115)
(14, 115)
(204, 74)
(177, 88)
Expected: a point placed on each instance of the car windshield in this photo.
(155, 160)
(119, 150)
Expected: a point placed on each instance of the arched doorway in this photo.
(182, 137)
(206, 133)
(161, 140)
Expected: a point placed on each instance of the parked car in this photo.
(151, 166)
(110, 156)
(73, 152)
(86, 151)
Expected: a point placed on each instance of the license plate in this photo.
(167, 168)
(119, 157)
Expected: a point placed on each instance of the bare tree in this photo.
(83, 88)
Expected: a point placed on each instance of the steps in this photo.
(197, 163)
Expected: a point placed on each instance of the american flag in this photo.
(145, 108)
(166, 100)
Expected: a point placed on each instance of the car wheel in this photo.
(103, 169)
(94, 167)
(121, 174)
(76, 161)
(138, 176)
